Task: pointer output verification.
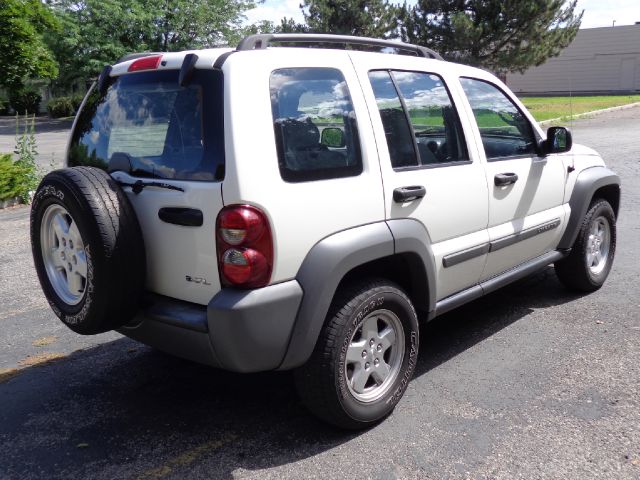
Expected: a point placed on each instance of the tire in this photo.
(589, 263)
(339, 385)
(88, 249)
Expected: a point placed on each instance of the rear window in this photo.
(148, 121)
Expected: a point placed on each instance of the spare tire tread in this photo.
(111, 232)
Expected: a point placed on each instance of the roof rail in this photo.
(263, 40)
(133, 56)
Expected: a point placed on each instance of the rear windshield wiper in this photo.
(121, 161)
(139, 185)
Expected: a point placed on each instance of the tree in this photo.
(377, 18)
(502, 36)
(287, 25)
(24, 53)
(183, 24)
(98, 32)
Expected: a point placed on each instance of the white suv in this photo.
(300, 208)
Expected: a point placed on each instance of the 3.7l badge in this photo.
(198, 280)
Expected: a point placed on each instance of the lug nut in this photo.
(379, 348)
(364, 354)
(64, 242)
(367, 365)
(372, 342)
(70, 267)
(63, 256)
(376, 362)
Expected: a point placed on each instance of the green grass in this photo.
(545, 108)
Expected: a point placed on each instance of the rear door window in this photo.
(149, 122)
(420, 121)
(315, 124)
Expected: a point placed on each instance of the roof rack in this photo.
(263, 40)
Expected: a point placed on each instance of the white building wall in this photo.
(598, 60)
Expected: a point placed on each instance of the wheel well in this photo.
(405, 269)
(610, 193)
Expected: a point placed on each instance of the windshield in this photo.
(147, 124)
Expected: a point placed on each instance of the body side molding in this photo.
(509, 240)
(464, 255)
(588, 181)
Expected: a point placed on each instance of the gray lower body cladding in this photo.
(240, 330)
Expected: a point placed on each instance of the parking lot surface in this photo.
(531, 382)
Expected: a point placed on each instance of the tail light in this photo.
(145, 63)
(245, 247)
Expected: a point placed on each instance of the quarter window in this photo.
(421, 124)
(505, 131)
(315, 124)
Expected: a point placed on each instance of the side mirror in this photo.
(558, 140)
(333, 137)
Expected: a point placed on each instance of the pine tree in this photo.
(502, 36)
(377, 18)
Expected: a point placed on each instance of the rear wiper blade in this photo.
(138, 186)
(141, 172)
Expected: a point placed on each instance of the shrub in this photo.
(25, 101)
(16, 178)
(61, 107)
(20, 177)
(4, 105)
(76, 101)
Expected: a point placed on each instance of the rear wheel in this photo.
(364, 358)
(589, 263)
(87, 249)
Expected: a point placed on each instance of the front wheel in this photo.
(589, 263)
(364, 358)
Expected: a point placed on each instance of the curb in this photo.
(590, 114)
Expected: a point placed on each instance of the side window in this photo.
(315, 125)
(396, 127)
(420, 122)
(434, 120)
(505, 131)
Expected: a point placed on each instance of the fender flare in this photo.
(587, 183)
(326, 265)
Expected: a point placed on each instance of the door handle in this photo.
(502, 179)
(188, 217)
(407, 194)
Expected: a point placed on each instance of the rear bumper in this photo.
(240, 330)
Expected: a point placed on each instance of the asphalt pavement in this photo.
(51, 137)
(531, 382)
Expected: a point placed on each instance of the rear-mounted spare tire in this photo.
(88, 249)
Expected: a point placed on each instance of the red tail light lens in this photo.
(145, 63)
(245, 247)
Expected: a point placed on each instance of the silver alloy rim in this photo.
(63, 254)
(598, 245)
(374, 356)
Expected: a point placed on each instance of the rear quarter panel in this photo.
(300, 214)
